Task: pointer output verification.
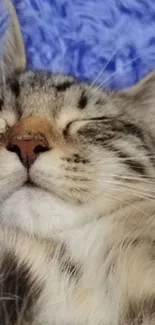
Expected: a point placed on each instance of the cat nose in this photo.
(27, 150)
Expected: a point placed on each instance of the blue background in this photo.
(80, 37)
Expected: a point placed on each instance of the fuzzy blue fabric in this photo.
(110, 41)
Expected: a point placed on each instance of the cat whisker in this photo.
(107, 79)
(146, 156)
(145, 196)
(120, 69)
(129, 185)
(103, 69)
(130, 191)
(126, 203)
(6, 298)
(23, 309)
(79, 174)
(130, 178)
(120, 76)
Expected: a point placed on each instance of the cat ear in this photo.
(141, 101)
(144, 86)
(14, 58)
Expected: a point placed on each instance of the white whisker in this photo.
(126, 203)
(139, 179)
(136, 193)
(131, 157)
(118, 70)
(103, 69)
(129, 185)
(120, 76)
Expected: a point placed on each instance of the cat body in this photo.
(77, 208)
(100, 274)
(77, 175)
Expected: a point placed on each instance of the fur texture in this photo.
(77, 175)
(89, 196)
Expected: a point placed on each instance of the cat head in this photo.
(71, 152)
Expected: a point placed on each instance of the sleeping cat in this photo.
(77, 202)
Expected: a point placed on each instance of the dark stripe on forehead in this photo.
(15, 88)
(18, 293)
(64, 85)
(83, 101)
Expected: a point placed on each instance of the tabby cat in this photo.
(77, 202)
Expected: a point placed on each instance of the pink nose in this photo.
(27, 150)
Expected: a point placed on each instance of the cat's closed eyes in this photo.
(77, 202)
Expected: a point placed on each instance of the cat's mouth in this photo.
(29, 183)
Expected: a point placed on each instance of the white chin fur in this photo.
(37, 211)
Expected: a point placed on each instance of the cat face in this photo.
(70, 152)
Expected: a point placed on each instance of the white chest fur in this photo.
(83, 299)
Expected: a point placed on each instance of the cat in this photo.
(77, 225)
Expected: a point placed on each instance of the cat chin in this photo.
(37, 211)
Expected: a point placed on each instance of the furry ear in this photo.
(147, 84)
(14, 58)
(141, 101)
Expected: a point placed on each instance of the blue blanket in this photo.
(109, 41)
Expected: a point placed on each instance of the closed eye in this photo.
(66, 130)
(81, 123)
(100, 118)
